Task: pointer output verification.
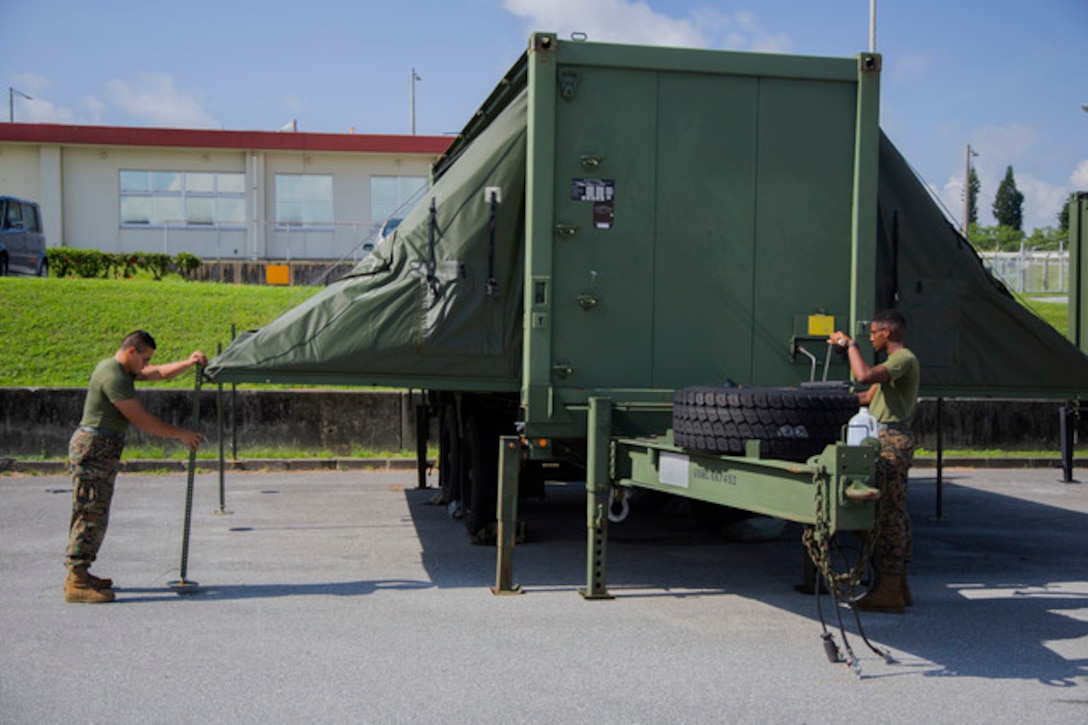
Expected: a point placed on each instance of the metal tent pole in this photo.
(940, 462)
(183, 584)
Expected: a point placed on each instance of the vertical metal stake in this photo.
(507, 515)
(233, 422)
(182, 584)
(422, 427)
(233, 408)
(1066, 428)
(940, 462)
(219, 437)
(598, 479)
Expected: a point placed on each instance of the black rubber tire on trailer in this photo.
(479, 473)
(791, 423)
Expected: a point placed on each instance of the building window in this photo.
(392, 196)
(304, 200)
(182, 198)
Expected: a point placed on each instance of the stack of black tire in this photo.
(791, 424)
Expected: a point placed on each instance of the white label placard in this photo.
(673, 469)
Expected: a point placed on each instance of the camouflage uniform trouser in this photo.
(93, 459)
(893, 521)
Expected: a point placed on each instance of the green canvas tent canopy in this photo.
(974, 338)
(439, 303)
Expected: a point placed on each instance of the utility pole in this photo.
(967, 192)
(12, 92)
(872, 26)
(415, 78)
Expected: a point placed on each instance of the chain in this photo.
(817, 540)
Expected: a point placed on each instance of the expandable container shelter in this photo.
(621, 222)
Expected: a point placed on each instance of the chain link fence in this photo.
(1030, 272)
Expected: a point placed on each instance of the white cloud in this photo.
(1042, 201)
(607, 21)
(1009, 143)
(95, 108)
(951, 198)
(1079, 177)
(38, 108)
(30, 83)
(625, 21)
(909, 68)
(745, 32)
(154, 100)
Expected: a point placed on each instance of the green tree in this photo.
(1046, 239)
(972, 197)
(1063, 215)
(998, 238)
(1009, 203)
(1009, 239)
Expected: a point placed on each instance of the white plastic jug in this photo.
(863, 425)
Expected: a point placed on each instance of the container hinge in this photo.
(592, 161)
(568, 83)
(588, 301)
(566, 231)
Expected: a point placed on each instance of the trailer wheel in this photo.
(480, 473)
(791, 424)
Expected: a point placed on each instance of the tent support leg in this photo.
(598, 447)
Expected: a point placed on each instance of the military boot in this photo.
(886, 597)
(79, 588)
(100, 582)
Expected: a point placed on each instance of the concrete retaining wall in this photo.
(39, 421)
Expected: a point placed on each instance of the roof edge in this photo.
(49, 133)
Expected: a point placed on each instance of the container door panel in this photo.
(603, 272)
(705, 230)
(804, 210)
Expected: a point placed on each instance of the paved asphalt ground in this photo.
(348, 597)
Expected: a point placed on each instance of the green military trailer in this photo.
(628, 245)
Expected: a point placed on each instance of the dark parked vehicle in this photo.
(22, 243)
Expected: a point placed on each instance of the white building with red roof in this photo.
(229, 195)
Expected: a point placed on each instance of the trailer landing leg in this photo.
(598, 484)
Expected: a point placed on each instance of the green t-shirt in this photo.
(110, 384)
(895, 400)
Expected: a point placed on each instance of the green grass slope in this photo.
(53, 331)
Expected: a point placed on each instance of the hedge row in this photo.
(87, 263)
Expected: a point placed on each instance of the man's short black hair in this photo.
(893, 320)
(139, 339)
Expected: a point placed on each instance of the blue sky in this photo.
(1007, 77)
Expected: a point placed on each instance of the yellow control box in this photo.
(819, 325)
